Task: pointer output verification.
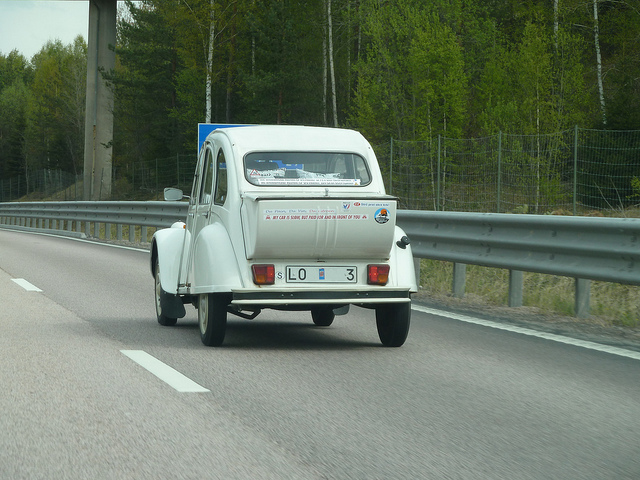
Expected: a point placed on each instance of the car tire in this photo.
(212, 318)
(393, 321)
(322, 317)
(162, 318)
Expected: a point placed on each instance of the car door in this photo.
(199, 211)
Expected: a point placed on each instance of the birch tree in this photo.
(210, 50)
(596, 42)
(332, 71)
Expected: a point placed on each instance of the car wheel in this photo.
(162, 318)
(323, 317)
(212, 318)
(393, 322)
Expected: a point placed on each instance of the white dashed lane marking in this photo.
(26, 285)
(164, 372)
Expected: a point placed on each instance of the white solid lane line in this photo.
(164, 372)
(26, 285)
(533, 333)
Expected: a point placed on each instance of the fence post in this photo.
(515, 288)
(575, 169)
(583, 293)
(157, 190)
(391, 169)
(499, 168)
(459, 279)
(438, 178)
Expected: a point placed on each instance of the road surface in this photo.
(282, 398)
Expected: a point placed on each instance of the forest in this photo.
(404, 69)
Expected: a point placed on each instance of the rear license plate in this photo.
(315, 274)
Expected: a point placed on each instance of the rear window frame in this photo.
(296, 181)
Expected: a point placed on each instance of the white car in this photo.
(286, 218)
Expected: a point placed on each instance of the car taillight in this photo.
(377, 274)
(264, 274)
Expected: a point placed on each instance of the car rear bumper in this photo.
(266, 297)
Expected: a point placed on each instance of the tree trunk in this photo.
(596, 39)
(555, 25)
(331, 66)
(324, 74)
(212, 34)
(230, 68)
(253, 49)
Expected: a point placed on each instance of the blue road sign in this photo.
(204, 129)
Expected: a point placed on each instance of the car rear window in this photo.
(306, 169)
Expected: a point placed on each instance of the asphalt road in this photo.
(286, 399)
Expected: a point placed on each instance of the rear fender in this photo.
(166, 246)
(215, 268)
(402, 266)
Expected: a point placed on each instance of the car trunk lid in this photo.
(318, 227)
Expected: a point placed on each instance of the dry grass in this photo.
(611, 304)
(113, 231)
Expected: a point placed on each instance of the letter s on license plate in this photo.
(315, 274)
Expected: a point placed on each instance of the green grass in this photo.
(113, 230)
(612, 304)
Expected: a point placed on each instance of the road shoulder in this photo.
(533, 318)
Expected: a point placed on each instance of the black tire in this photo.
(393, 321)
(323, 317)
(212, 318)
(162, 318)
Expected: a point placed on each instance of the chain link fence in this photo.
(577, 171)
(42, 184)
(137, 181)
(147, 181)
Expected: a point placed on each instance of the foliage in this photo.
(407, 69)
(15, 75)
(54, 133)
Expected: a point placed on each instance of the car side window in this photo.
(196, 180)
(221, 179)
(207, 179)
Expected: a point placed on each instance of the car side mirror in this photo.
(173, 194)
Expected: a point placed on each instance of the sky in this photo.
(27, 25)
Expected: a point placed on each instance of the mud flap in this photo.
(172, 306)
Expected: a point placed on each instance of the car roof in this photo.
(294, 138)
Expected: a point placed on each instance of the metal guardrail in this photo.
(606, 249)
(71, 216)
(586, 248)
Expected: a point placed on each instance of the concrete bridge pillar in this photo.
(99, 109)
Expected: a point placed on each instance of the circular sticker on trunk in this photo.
(382, 215)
